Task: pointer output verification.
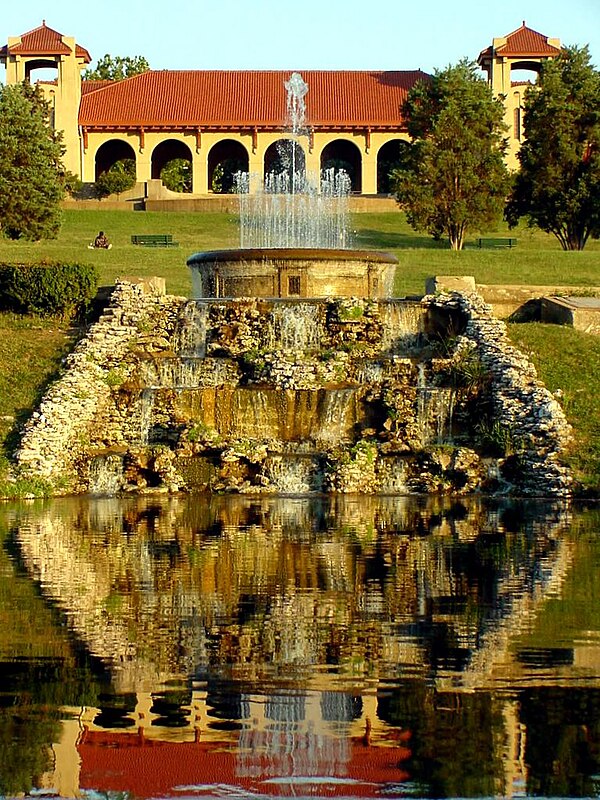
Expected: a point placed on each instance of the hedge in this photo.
(47, 288)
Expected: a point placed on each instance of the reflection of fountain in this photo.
(144, 604)
(291, 231)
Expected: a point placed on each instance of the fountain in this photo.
(293, 370)
(293, 232)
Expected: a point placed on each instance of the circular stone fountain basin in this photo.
(292, 272)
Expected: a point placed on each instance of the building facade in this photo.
(224, 121)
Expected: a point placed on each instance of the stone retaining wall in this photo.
(524, 407)
(56, 435)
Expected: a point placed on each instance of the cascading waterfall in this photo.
(435, 411)
(145, 412)
(190, 335)
(292, 473)
(297, 328)
(402, 325)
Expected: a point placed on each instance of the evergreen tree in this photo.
(115, 68)
(558, 186)
(32, 176)
(454, 178)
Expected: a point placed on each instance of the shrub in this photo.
(119, 178)
(176, 175)
(48, 288)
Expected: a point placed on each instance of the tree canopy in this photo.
(454, 177)
(558, 186)
(115, 68)
(32, 176)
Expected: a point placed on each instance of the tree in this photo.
(454, 177)
(558, 186)
(177, 175)
(32, 176)
(115, 68)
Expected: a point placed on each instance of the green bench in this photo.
(481, 243)
(154, 240)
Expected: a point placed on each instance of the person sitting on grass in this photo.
(101, 241)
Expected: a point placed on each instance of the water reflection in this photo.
(302, 646)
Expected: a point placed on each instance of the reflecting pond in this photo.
(315, 647)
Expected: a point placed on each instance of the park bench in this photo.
(154, 240)
(484, 243)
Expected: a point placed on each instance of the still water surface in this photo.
(305, 647)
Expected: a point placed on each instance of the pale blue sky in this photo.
(306, 34)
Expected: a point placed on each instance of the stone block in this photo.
(450, 283)
(581, 313)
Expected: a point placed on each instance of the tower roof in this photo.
(43, 41)
(521, 43)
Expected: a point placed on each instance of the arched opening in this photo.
(523, 73)
(224, 160)
(171, 163)
(345, 155)
(392, 155)
(109, 153)
(44, 70)
(285, 158)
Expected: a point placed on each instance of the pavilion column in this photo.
(200, 172)
(313, 162)
(143, 170)
(369, 172)
(256, 169)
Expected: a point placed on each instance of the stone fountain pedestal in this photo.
(292, 272)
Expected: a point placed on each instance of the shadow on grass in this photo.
(397, 241)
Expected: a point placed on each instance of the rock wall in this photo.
(56, 438)
(529, 415)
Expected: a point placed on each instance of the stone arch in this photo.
(342, 154)
(167, 151)
(284, 156)
(389, 156)
(109, 153)
(172, 150)
(225, 159)
(525, 71)
(45, 69)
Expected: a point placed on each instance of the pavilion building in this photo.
(223, 121)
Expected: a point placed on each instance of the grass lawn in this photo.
(537, 259)
(569, 360)
(31, 349)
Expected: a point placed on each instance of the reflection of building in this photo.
(271, 749)
(224, 121)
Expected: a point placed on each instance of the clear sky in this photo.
(303, 34)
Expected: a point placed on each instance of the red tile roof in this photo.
(44, 41)
(91, 86)
(243, 99)
(527, 42)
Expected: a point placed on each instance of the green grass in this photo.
(537, 259)
(569, 361)
(31, 349)
(30, 354)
